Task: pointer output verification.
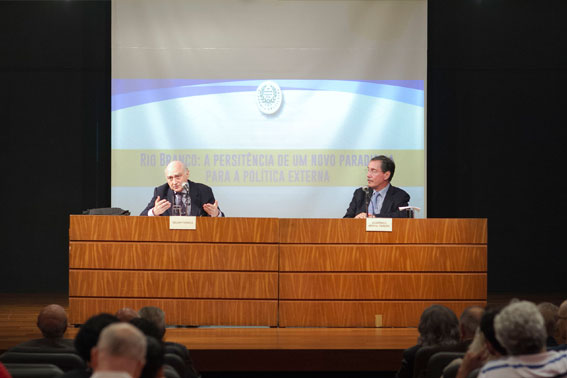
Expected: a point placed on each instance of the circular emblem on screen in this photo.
(269, 97)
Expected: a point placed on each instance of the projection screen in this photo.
(277, 105)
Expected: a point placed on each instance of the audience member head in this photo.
(121, 347)
(155, 359)
(147, 327)
(549, 312)
(520, 328)
(88, 334)
(487, 329)
(126, 314)
(52, 321)
(469, 321)
(562, 323)
(438, 325)
(156, 316)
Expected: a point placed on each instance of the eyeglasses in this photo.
(373, 171)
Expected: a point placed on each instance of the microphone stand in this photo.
(366, 197)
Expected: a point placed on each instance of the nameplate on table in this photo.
(379, 224)
(182, 223)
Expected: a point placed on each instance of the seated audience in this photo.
(549, 312)
(438, 326)
(468, 323)
(484, 347)
(520, 328)
(119, 353)
(86, 339)
(126, 314)
(52, 322)
(157, 316)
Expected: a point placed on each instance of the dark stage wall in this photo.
(497, 79)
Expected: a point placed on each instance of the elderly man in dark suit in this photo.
(190, 197)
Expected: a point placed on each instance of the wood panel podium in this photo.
(276, 272)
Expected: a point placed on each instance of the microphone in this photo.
(367, 196)
(187, 198)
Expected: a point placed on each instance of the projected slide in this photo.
(268, 148)
(277, 105)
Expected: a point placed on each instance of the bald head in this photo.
(52, 321)
(126, 314)
(176, 174)
(120, 347)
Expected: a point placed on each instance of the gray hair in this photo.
(123, 340)
(520, 328)
(154, 315)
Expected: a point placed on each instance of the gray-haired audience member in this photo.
(520, 329)
(121, 348)
(52, 322)
(154, 315)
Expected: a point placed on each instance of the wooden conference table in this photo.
(276, 272)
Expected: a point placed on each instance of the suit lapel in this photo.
(387, 203)
(195, 199)
(171, 199)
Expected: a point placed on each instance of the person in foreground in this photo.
(483, 348)
(120, 352)
(380, 198)
(194, 199)
(520, 329)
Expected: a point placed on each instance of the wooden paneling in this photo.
(382, 258)
(360, 313)
(328, 270)
(405, 231)
(127, 228)
(373, 286)
(185, 311)
(173, 256)
(172, 284)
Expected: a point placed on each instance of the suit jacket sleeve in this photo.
(395, 198)
(357, 204)
(160, 191)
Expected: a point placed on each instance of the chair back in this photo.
(27, 370)
(64, 361)
(176, 362)
(439, 361)
(169, 372)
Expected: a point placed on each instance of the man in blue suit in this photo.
(191, 197)
(379, 198)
